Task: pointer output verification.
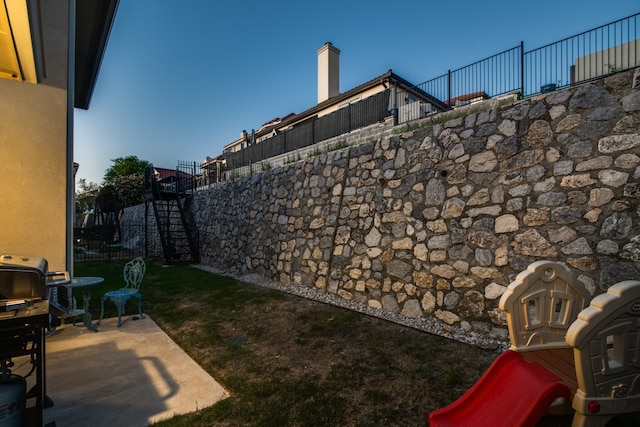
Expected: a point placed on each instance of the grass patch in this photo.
(288, 361)
(340, 145)
(292, 159)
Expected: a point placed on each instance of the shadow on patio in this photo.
(133, 375)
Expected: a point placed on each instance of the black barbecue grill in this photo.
(24, 315)
(27, 277)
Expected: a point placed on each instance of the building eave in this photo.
(94, 20)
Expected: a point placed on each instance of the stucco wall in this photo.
(34, 189)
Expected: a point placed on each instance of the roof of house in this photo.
(164, 174)
(211, 160)
(273, 123)
(468, 97)
(387, 78)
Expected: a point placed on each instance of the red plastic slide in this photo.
(511, 393)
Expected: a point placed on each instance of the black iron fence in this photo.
(188, 174)
(493, 76)
(130, 241)
(587, 56)
(592, 54)
(182, 180)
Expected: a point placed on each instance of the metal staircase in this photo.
(169, 192)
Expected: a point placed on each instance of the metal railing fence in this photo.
(590, 55)
(593, 54)
(132, 240)
(492, 76)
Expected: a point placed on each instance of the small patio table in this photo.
(85, 283)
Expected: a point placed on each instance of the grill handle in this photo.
(65, 279)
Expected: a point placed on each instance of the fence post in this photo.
(522, 68)
(146, 227)
(393, 95)
(193, 177)
(449, 88)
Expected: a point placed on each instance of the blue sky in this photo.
(181, 79)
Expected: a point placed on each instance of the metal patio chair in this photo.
(133, 275)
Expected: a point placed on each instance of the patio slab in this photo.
(133, 376)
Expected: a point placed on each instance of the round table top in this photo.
(78, 282)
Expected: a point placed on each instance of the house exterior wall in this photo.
(621, 57)
(36, 190)
(358, 97)
(236, 145)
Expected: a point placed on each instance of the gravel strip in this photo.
(430, 325)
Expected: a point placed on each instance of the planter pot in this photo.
(548, 88)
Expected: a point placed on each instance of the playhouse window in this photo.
(533, 312)
(561, 305)
(613, 357)
(614, 349)
(559, 308)
(533, 305)
(560, 314)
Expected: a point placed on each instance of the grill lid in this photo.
(27, 277)
(36, 265)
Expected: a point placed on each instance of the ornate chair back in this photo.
(134, 273)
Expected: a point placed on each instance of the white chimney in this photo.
(328, 72)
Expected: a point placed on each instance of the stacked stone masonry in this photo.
(434, 223)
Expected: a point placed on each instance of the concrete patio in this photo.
(133, 375)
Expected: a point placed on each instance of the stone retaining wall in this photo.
(434, 223)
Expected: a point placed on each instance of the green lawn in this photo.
(289, 361)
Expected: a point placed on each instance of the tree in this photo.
(125, 178)
(123, 166)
